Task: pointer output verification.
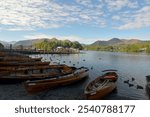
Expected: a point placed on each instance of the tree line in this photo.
(54, 43)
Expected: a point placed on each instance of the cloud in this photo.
(119, 4)
(139, 19)
(19, 29)
(32, 14)
(19, 15)
(84, 2)
(43, 14)
(116, 17)
(147, 1)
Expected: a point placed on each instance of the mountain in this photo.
(7, 44)
(4, 43)
(29, 43)
(115, 41)
(1, 46)
(109, 42)
(132, 41)
(12, 42)
(97, 43)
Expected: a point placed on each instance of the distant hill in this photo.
(120, 45)
(29, 43)
(7, 44)
(47, 43)
(1, 46)
(4, 43)
(132, 41)
(115, 41)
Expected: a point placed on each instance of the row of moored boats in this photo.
(38, 76)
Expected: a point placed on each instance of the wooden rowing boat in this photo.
(33, 69)
(101, 86)
(22, 78)
(16, 69)
(35, 86)
(10, 77)
(5, 63)
(12, 54)
(19, 59)
(24, 68)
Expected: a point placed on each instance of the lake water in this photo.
(128, 65)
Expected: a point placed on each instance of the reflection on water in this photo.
(132, 67)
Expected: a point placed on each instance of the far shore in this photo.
(39, 52)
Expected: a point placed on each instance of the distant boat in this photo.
(35, 86)
(101, 86)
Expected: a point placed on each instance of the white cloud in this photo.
(133, 4)
(36, 14)
(84, 2)
(19, 29)
(119, 4)
(147, 1)
(116, 17)
(44, 13)
(33, 13)
(139, 19)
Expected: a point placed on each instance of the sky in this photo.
(77, 20)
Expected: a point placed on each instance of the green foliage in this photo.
(138, 47)
(54, 43)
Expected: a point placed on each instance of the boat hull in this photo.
(36, 86)
(18, 75)
(101, 86)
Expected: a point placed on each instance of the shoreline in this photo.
(37, 52)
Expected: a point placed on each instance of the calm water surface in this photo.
(128, 65)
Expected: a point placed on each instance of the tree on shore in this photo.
(54, 43)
